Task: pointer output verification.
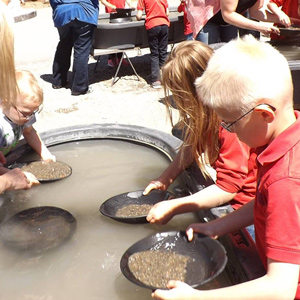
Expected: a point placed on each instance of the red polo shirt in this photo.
(155, 12)
(236, 168)
(277, 204)
(187, 25)
(117, 3)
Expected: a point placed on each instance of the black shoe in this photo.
(88, 91)
(56, 87)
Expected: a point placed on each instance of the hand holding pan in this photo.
(132, 207)
(45, 171)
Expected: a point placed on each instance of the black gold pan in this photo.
(45, 171)
(111, 208)
(205, 259)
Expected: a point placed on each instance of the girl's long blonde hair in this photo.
(8, 84)
(186, 62)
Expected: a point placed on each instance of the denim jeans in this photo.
(213, 33)
(77, 35)
(158, 44)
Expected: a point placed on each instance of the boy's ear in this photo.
(267, 113)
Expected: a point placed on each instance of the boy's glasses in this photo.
(227, 126)
(28, 117)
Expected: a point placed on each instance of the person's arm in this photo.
(34, 141)
(139, 15)
(107, 4)
(16, 180)
(182, 160)
(228, 9)
(284, 19)
(181, 6)
(212, 196)
(280, 283)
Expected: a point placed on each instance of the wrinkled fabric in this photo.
(200, 11)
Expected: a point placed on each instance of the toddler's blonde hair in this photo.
(29, 87)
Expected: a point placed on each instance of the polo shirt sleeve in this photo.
(232, 163)
(282, 220)
(140, 5)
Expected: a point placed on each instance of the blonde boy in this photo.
(249, 85)
(17, 118)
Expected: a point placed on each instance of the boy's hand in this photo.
(160, 213)
(204, 228)
(178, 291)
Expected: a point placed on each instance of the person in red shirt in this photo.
(157, 25)
(204, 140)
(254, 97)
(288, 14)
(188, 32)
(110, 7)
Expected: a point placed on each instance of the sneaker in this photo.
(112, 63)
(88, 91)
(156, 84)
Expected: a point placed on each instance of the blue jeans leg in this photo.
(83, 36)
(61, 62)
(213, 33)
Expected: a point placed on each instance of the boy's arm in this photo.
(283, 18)
(34, 141)
(279, 283)
(212, 196)
(240, 218)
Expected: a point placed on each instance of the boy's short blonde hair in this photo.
(244, 72)
(29, 87)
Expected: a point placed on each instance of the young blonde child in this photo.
(16, 118)
(205, 141)
(248, 83)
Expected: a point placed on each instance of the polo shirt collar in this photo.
(281, 144)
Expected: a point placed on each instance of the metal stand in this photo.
(99, 52)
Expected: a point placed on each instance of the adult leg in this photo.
(82, 35)
(152, 35)
(163, 44)
(62, 58)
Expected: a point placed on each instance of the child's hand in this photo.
(161, 213)
(49, 157)
(156, 184)
(204, 228)
(178, 291)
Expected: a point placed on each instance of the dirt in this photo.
(36, 4)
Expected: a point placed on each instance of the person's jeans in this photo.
(189, 37)
(77, 35)
(213, 33)
(158, 44)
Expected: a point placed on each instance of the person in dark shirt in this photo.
(75, 21)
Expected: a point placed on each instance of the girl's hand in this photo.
(161, 213)
(155, 185)
(178, 291)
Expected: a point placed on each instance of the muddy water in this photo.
(87, 266)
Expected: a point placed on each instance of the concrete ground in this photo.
(129, 101)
